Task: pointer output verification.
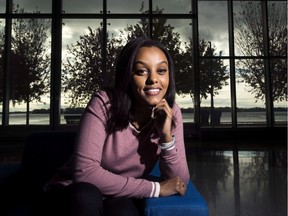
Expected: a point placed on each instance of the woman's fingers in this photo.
(172, 186)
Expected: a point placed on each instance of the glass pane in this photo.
(182, 6)
(277, 24)
(214, 90)
(176, 36)
(30, 71)
(250, 92)
(127, 6)
(248, 28)
(82, 6)
(213, 25)
(2, 6)
(279, 89)
(82, 71)
(32, 6)
(2, 40)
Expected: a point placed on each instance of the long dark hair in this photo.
(121, 96)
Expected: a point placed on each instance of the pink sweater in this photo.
(118, 163)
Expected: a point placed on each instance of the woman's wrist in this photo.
(168, 145)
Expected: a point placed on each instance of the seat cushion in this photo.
(191, 204)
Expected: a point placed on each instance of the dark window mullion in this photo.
(7, 51)
(232, 64)
(56, 49)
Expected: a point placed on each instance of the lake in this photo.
(243, 118)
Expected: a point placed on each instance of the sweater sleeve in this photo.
(88, 156)
(173, 161)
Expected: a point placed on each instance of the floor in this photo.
(248, 180)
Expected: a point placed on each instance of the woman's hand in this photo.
(162, 113)
(172, 186)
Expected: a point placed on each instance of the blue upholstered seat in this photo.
(191, 204)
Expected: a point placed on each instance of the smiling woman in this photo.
(119, 142)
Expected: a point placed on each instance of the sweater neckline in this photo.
(143, 128)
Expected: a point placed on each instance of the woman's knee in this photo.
(84, 190)
(84, 199)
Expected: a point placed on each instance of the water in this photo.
(243, 117)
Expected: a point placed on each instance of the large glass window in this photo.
(250, 91)
(213, 25)
(30, 71)
(240, 73)
(277, 25)
(82, 70)
(248, 28)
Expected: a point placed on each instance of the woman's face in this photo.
(150, 78)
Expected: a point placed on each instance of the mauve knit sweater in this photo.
(118, 163)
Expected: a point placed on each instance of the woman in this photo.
(124, 132)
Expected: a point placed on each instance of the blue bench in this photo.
(191, 204)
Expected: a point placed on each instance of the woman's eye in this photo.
(162, 70)
(141, 71)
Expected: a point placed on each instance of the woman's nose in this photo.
(152, 78)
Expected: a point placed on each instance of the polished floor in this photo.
(242, 182)
(235, 180)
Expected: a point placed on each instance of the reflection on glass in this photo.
(248, 28)
(277, 24)
(82, 6)
(176, 36)
(82, 69)
(32, 6)
(30, 71)
(2, 6)
(127, 6)
(178, 6)
(250, 91)
(213, 24)
(279, 89)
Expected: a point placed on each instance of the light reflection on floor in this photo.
(241, 183)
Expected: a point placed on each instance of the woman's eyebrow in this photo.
(143, 63)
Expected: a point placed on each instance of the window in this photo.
(230, 68)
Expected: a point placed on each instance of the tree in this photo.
(249, 40)
(30, 62)
(83, 71)
(213, 73)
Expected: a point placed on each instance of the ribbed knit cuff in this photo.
(155, 189)
(169, 145)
